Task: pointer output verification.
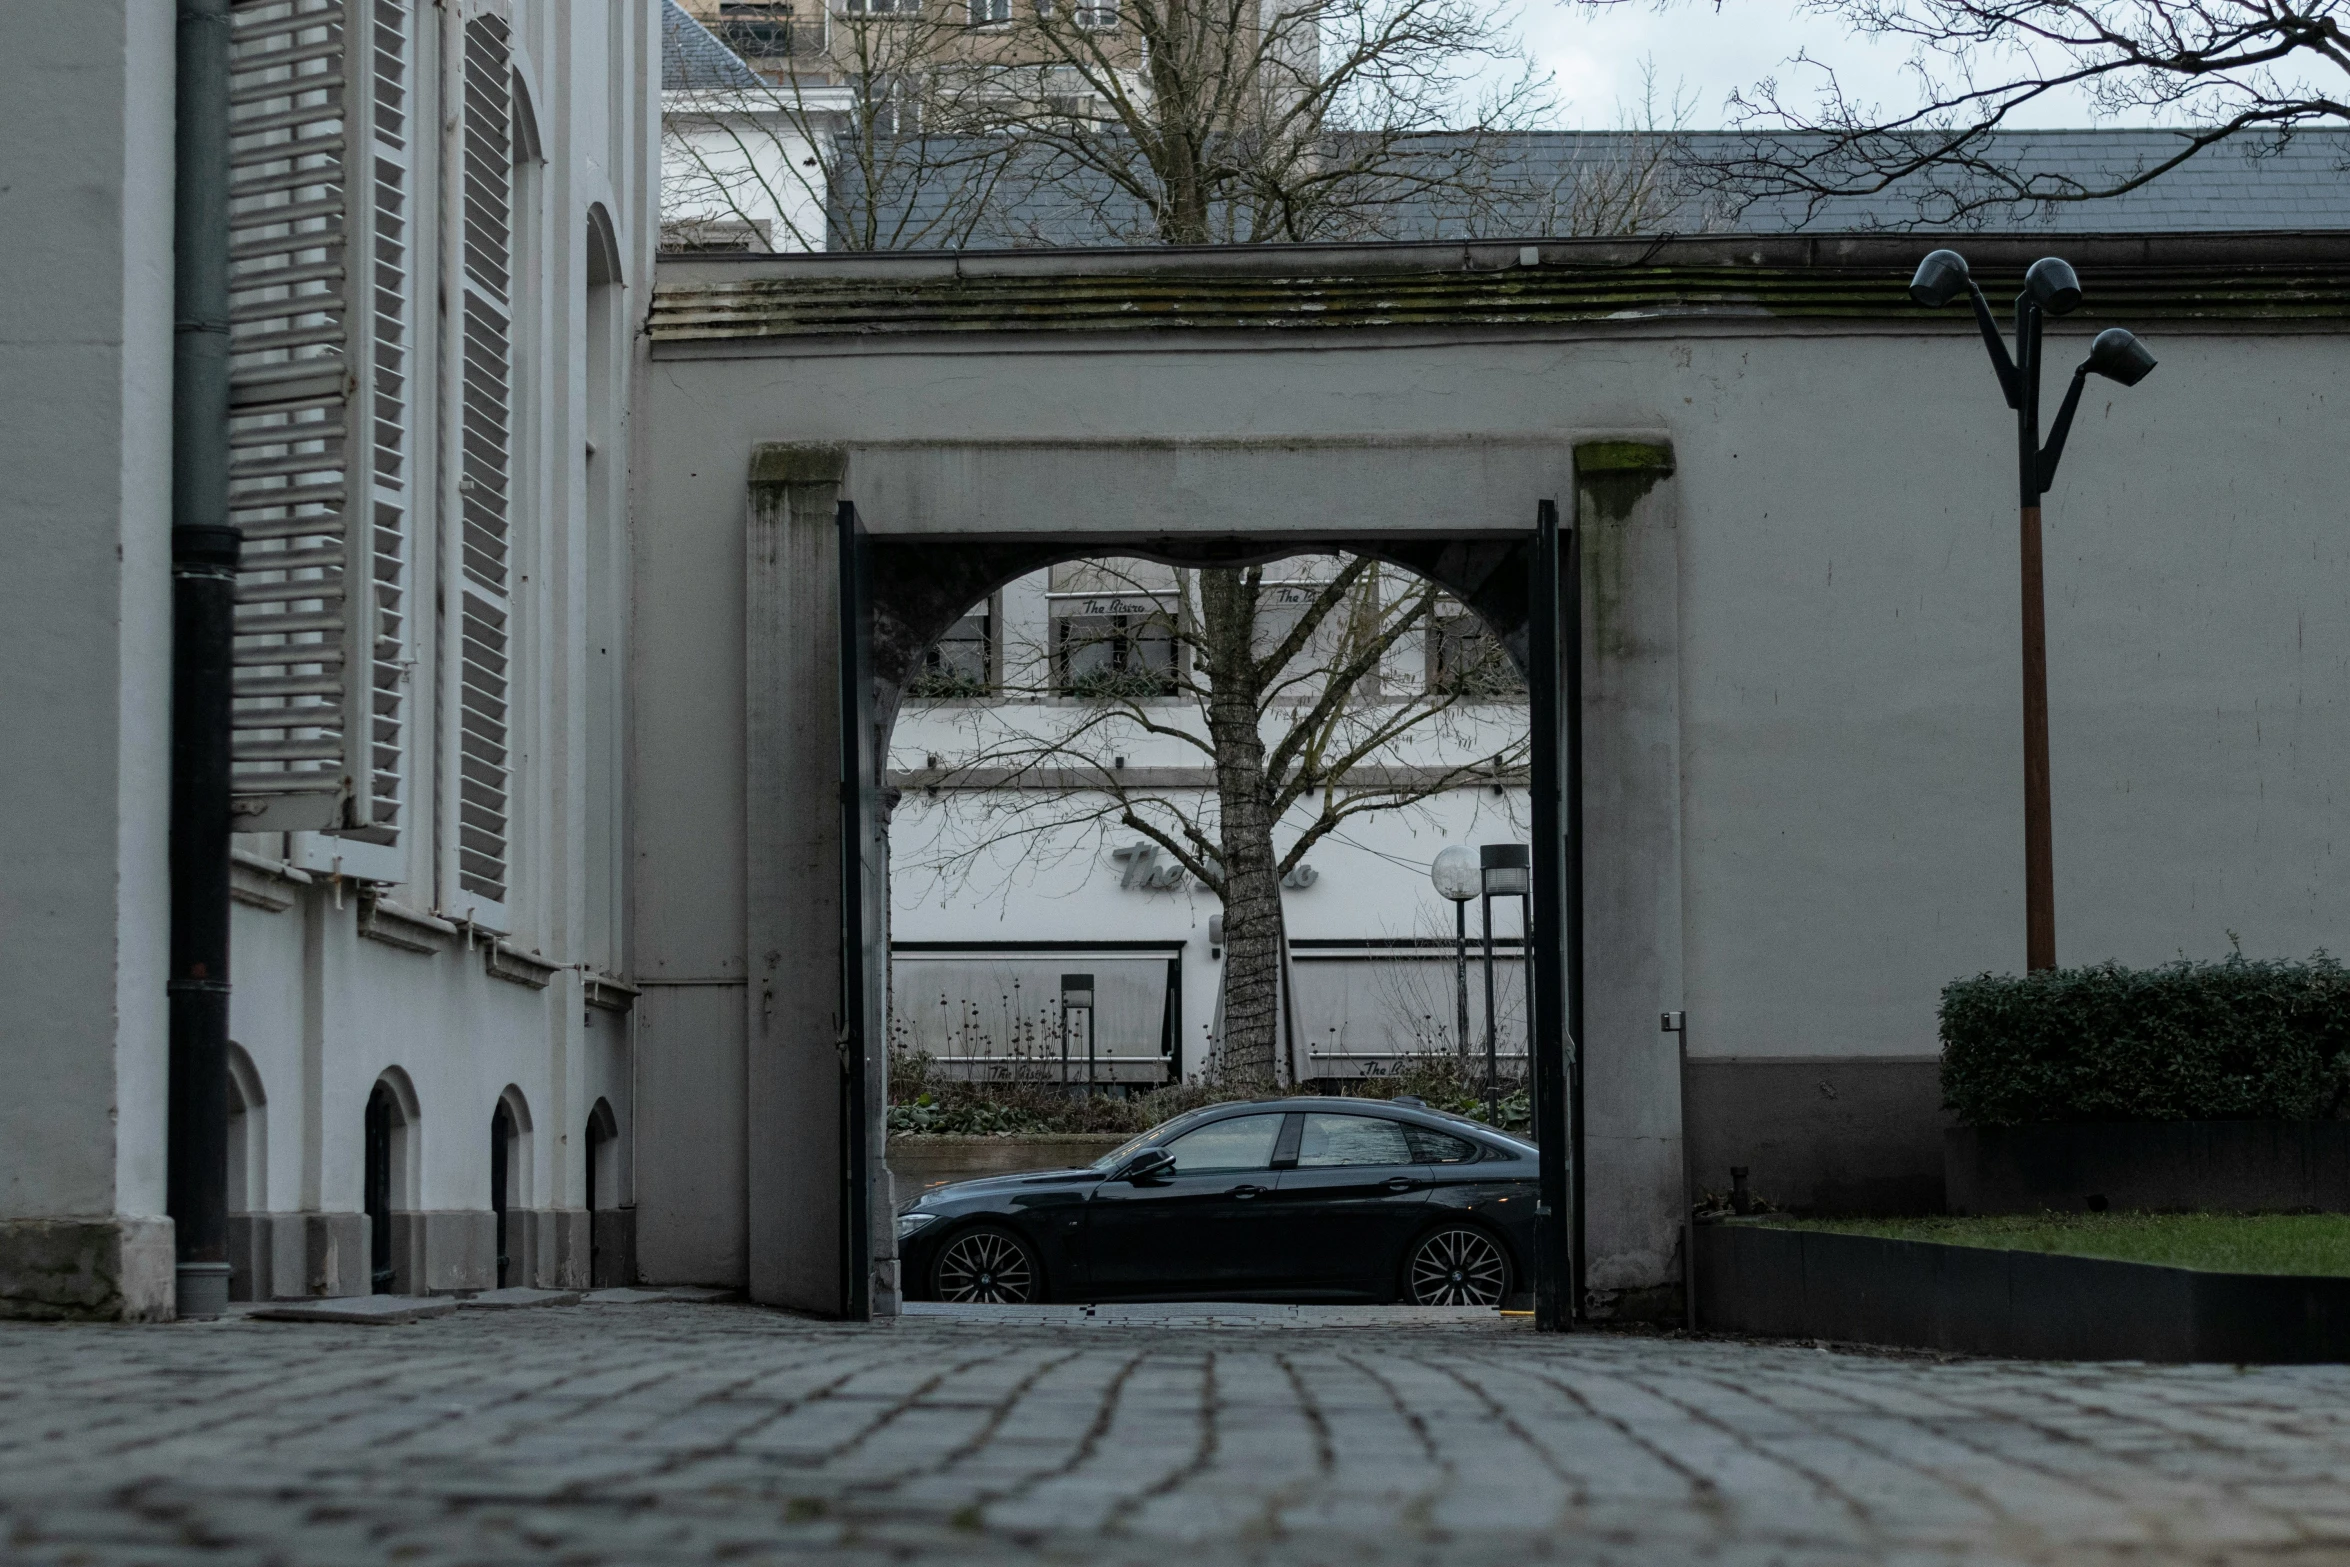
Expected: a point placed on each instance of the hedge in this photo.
(2238, 1040)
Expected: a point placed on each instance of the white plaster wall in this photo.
(1848, 611)
(85, 605)
(1848, 812)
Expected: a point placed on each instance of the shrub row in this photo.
(2230, 1041)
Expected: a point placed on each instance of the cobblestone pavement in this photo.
(656, 1433)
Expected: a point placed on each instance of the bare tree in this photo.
(2213, 70)
(1240, 121)
(1288, 693)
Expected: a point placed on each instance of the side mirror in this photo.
(1147, 1165)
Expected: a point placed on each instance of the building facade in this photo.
(443, 221)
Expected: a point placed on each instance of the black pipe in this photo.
(204, 551)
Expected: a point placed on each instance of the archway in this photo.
(393, 1125)
(603, 1192)
(815, 1098)
(510, 1171)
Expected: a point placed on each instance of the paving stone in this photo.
(518, 1297)
(368, 1309)
(1280, 1436)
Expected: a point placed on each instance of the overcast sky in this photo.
(1596, 56)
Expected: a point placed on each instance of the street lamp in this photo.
(2050, 288)
(1455, 875)
(1504, 870)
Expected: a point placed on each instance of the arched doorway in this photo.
(896, 594)
(388, 1185)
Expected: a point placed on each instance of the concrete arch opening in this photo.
(1071, 705)
(926, 529)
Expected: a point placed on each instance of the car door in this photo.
(1197, 1232)
(1349, 1204)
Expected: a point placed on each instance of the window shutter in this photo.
(319, 474)
(484, 613)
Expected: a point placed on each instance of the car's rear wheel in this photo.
(1458, 1265)
(987, 1266)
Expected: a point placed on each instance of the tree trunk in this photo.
(1253, 933)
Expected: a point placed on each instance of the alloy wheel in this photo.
(986, 1267)
(1458, 1267)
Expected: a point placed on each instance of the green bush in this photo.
(2239, 1040)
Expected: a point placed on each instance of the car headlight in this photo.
(908, 1223)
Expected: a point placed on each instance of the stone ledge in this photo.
(411, 930)
(517, 967)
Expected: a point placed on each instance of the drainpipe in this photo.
(203, 592)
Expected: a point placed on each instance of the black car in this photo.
(1289, 1199)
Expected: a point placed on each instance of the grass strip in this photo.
(2296, 1243)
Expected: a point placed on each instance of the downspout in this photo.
(204, 550)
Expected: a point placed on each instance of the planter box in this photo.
(921, 1162)
(2205, 1166)
(1788, 1283)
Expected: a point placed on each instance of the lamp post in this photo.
(1503, 870)
(2050, 288)
(1455, 875)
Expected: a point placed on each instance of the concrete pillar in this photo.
(791, 636)
(85, 628)
(1625, 507)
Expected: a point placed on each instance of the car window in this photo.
(1245, 1142)
(1150, 1139)
(1351, 1139)
(1434, 1147)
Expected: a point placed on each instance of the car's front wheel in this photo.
(1458, 1265)
(987, 1266)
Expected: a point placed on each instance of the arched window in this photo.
(392, 1148)
(603, 1184)
(248, 1135)
(509, 1174)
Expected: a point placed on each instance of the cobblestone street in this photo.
(643, 1433)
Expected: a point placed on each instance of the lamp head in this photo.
(2052, 283)
(1940, 278)
(1504, 869)
(1455, 872)
(2118, 356)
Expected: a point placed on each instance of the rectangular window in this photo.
(1109, 647)
(990, 13)
(1101, 18)
(962, 664)
(770, 29)
(1465, 661)
(882, 7)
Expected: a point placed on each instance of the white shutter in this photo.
(319, 339)
(481, 585)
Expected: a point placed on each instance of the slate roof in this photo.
(2246, 186)
(693, 60)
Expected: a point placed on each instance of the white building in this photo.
(444, 224)
(1008, 881)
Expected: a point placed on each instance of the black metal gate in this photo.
(864, 891)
